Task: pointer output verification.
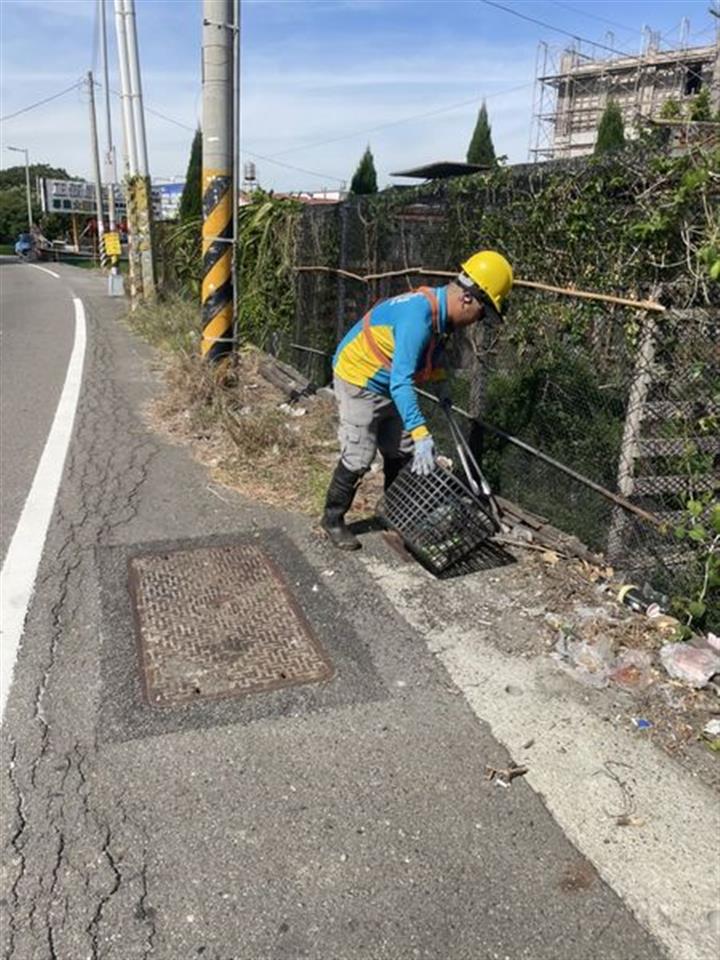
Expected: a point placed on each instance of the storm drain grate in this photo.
(217, 622)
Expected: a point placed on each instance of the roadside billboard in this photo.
(78, 197)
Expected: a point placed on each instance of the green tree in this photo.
(191, 200)
(611, 130)
(700, 109)
(13, 202)
(364, 180)
(658, 137)
(481, 150)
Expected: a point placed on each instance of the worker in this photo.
(396, 345)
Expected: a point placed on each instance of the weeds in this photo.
(170, 324)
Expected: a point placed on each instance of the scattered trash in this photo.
(641, 723)
(504, 776)
(625, 820)
(594, 613)
(643, 600)
(292, 411)
(328, 573)
(694, 665)
(632, 670)
(526, 746)
(664, 622)
(711, 734)
(315, 588)
(713, 641)
(550, 557)
(588, 662)
(596, 573)
(555, 621)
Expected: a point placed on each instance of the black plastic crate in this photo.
(439, 519)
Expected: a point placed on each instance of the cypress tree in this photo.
(701, 109)
(365, 178)
(191, 200)
(611, 130)
(481, 149)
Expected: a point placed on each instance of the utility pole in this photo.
(112, 240)
(130, 156)
(110, 155)
(137, 183)
(141, 185)
(131, 165)
(220, 30)
(96, 166)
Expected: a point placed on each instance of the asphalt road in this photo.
(36, 330)
(351, 820)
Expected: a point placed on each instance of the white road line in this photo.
(17, 578)
(45, 270)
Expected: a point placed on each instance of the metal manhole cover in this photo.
(218, 622)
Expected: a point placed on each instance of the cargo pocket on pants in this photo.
(357, 446)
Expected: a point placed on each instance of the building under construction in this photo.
(572, 89)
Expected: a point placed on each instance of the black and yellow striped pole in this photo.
(218, 156)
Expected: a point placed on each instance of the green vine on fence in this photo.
(627, 223)
(266, 255)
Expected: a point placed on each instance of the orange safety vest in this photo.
(385, 361)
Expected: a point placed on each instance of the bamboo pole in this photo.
(615, 498)
(651, 305)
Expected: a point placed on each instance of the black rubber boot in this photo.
(340, 496)
(392, 467)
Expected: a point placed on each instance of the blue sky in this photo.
(318, 77)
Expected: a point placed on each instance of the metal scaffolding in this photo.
(573, 85)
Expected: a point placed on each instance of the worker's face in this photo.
(469, 311)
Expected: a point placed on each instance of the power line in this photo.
(549, 26)
(394, 123)
(258, 156)
(162, 116)
(594, 16)
(278, 163)
(39, 103)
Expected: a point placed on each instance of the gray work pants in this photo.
(368, 423)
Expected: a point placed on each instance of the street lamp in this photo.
(27, 182)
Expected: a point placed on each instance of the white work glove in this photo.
(424, 458)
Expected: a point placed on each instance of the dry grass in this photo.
(172, 324)
(237, 428)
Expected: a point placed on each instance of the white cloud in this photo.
(295, 91)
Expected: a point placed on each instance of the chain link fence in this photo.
(629, 399)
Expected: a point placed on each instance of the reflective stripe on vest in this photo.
(385, 361)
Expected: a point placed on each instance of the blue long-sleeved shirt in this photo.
(402, 329)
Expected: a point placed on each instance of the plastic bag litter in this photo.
(588, 662)
(632, 670)
(714, 641)
(694, 665)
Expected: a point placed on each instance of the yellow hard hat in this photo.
(491, 274)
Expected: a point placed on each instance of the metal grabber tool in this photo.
(468, 461)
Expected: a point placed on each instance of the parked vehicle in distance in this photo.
(25, 247)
